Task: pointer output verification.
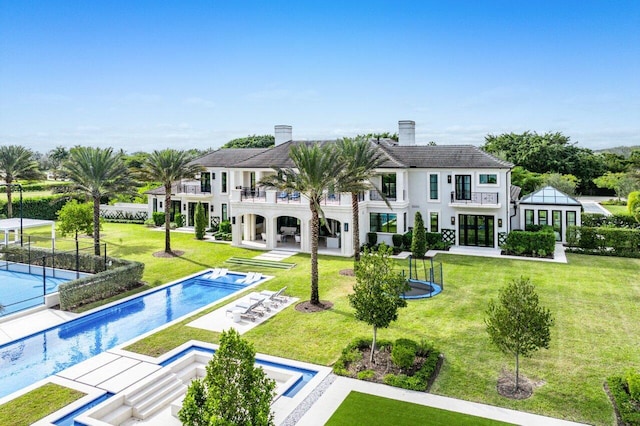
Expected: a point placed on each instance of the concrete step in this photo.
(118, 415)
(161, 403)
(134, 398)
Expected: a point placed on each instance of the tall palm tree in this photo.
(16, 162)
(168, 166)
(97, 173)
(360, 159)
(315, 169)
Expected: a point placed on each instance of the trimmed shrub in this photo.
(101, 285)
(403, 353)
(633, 205)
(200, 221)
(407, 237)
(623, 401)
(604, 241)
(419, 241)
(434, 241)
(397, 240)
(618, 220)
(225, 227)
(420, 380)
(366, 375)
(372, 238)
(179, 219)
(45, 208)
(633, 383)
(526, 243)
(158, 218)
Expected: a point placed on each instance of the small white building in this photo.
(549, 206)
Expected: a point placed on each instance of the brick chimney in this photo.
(406, 132)
(283, 134)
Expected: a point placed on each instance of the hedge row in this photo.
(64, 260)
(618, 220)
(623, 242)
(626, 407)
(121, 216)
(32, 187)
(44, 208)
(419, 381)
(527, 243)
(101, 285)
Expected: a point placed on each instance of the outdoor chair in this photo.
(275, 296)
(247, 311)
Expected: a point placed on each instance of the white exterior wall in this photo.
(549, 208)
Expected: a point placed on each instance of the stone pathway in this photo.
(275, 255)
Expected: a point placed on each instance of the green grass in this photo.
(594, 300)
(39, 403)
(616, 209)
(15, 195)
(364, 409)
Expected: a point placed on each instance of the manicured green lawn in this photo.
(595, 302)
(364, 409)
(38, 403)
(616, 209)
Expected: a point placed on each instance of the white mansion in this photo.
(461, 191)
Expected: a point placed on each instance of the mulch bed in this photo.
(382, 364)
(163, 254)
(507, 386)
(307, 307)
(347, 272)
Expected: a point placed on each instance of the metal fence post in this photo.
(44, 276)
(77, 259)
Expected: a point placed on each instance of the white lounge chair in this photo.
(247, 279)
(275, 296)
(248, 311)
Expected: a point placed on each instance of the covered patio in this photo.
(15, 224)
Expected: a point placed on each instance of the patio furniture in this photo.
(247, 311)
(275, 296)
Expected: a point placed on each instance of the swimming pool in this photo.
(33, 358)
(22, 286)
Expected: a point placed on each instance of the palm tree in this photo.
(168, 166)
(316, 168)
(360, 159)
(16, 162)
(97, 173)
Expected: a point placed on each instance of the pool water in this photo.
(33, 358)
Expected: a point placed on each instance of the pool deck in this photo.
(25, 325)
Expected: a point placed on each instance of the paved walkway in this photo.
(25, 325)
(331, 399)
(275, 255)
(559, 255)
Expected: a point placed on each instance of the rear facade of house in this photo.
(461, 192)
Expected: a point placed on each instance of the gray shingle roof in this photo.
(228, 157)
(450, 156)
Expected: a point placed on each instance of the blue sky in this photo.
(139, 75)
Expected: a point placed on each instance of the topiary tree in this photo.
(517, 324)
(419, 239)
(200, 221)
(633, 204)
(377, 292)
(74, 217)
(233, 392)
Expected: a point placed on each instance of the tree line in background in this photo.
(552, 159)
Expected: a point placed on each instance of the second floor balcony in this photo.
(475, 199)
(190, 189)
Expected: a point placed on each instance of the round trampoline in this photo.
(421, 289)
